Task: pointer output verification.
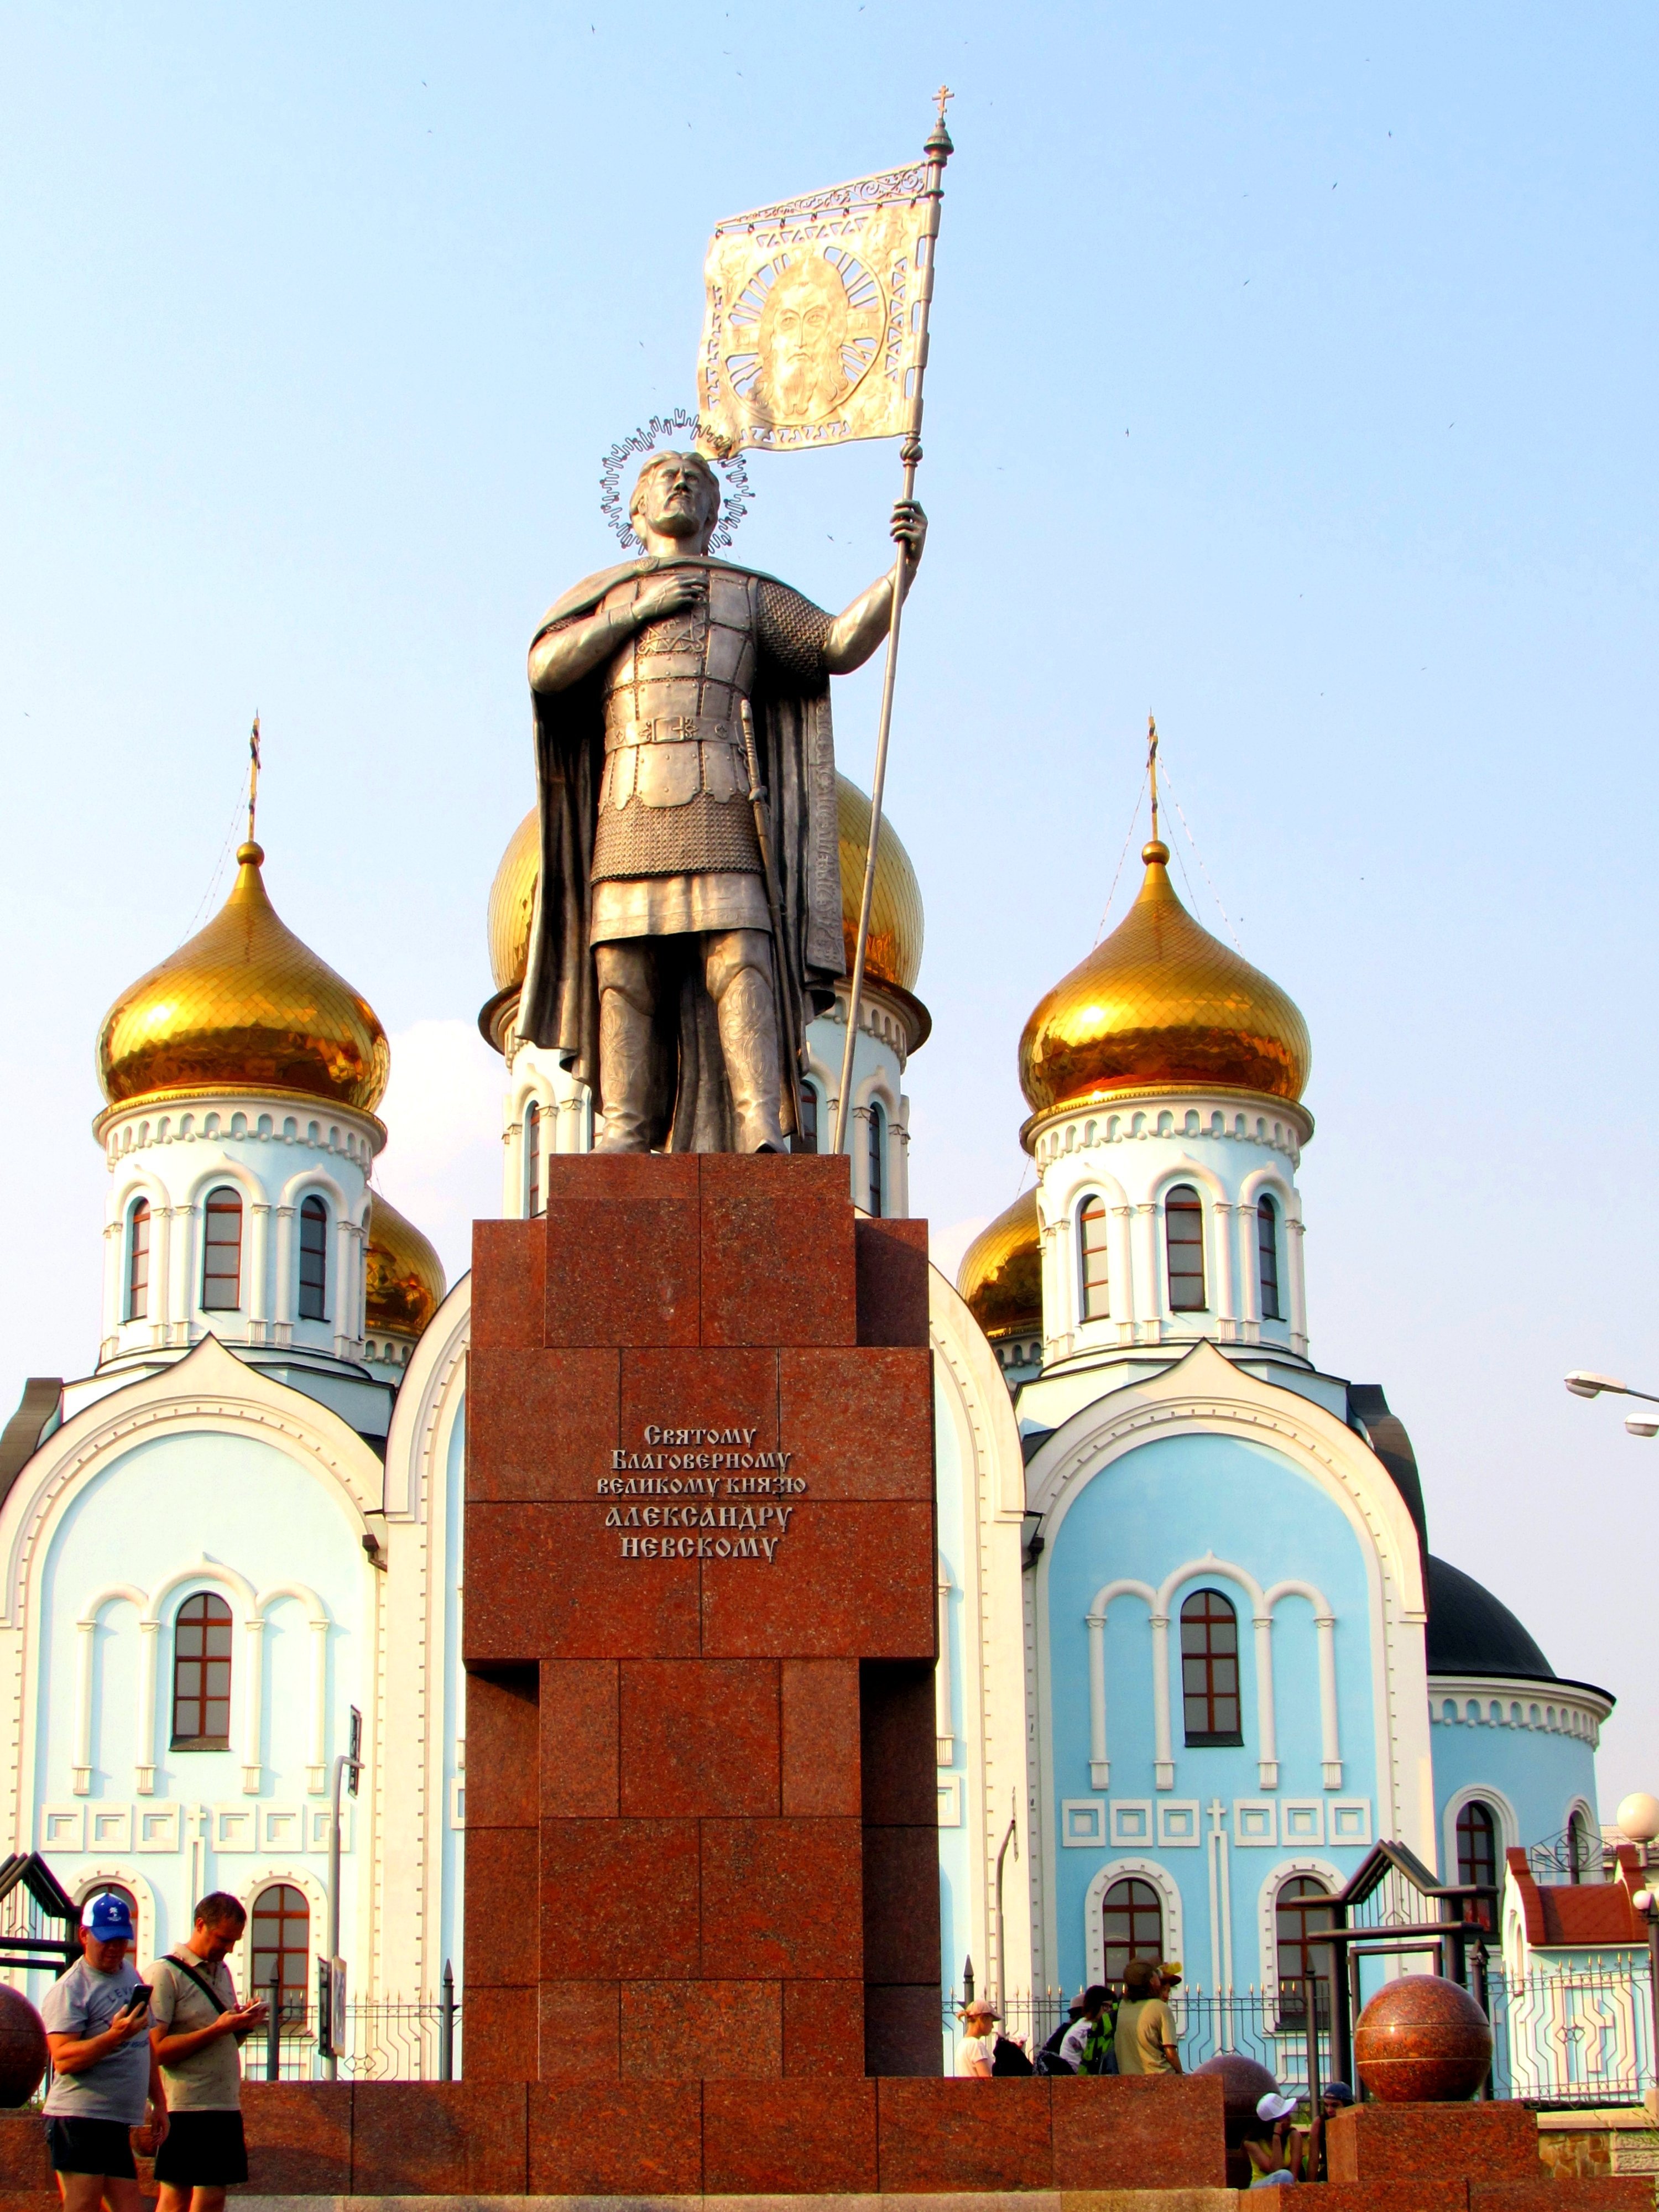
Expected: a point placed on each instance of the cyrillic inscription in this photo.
(720, 1475)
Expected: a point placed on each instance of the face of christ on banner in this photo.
(803, 328)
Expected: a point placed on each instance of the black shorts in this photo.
(90, 2147)
(203, 2151)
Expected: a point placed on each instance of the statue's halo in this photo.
(735, 486)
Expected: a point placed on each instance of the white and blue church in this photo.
(1194, 1655)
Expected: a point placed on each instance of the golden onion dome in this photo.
(1162, 1002)
(244, 1006)
(405, 1277)
(896, 916)
(1001, 1277)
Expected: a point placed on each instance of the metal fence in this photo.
(1577, 2036)
(386, 2039)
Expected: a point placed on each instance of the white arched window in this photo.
(137, 1297)
(221, 1252)
(1267, 1247)
(313, 1260)
(878, 1160)
(1092, 1230)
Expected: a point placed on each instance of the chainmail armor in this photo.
(794, 635)
(706, 836)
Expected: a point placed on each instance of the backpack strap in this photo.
(205, 1986)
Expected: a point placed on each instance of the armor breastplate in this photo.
(674, 798)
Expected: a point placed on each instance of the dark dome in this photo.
(1471, 1632)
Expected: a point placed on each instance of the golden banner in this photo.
(813, 327)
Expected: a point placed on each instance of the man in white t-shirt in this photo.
(978, 2048)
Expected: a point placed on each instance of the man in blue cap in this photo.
(104, 2072)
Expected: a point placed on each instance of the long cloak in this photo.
(559, 1006)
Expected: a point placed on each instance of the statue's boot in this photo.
(737, 969)
(626, 975)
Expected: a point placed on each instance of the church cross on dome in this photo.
(1152, 769)
(253, 774)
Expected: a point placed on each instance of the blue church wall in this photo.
(174, 1517)
(1533, 1772)
(1142, 1518)
(956, 1932)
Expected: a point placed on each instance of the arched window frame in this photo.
(1583, 1863)
(312, 1289)
(1094, 1231)
(221, 1201)
(203, 1641)
(1187, 1290)
(135, 1302)
(293, 1957)
(1141, 1942)
(1478, 1824)
(877, 1159)
(1268, 1270)
(1211, 1676)
(1299, 1938)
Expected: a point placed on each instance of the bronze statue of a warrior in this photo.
(655, 970)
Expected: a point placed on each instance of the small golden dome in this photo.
(1162, 1002)
(895, 917)
(1001, 1277)
(894, 953)
(404, 1284)
(243, 1006)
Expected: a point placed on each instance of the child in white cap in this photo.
(1273, 2145)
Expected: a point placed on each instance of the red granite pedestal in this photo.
(699, 1627)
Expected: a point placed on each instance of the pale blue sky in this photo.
(1293, 374)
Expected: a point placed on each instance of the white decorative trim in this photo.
(1302, 1820)
(1503, 1701)
(1348, 1822)
(949, 1801)
(61, 1828)
(1255, 1823)
(1180, 1824)
(1131, 1821)
(159, 1828)
(1083, 1823)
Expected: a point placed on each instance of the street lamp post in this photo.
(1584, 1384)
(1639, 1818)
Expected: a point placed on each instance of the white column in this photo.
(115, 1253)
(317, 1764)
(1222, 1300)
(1122, 1293)
(86, 1650)
(1148, 1271)
(1100, 1771)
(512, 1171)
(286, 1302)
(186, 1262)
(258, 1287)
(253, 1664)
(160, 1271)
(1330, 1747)
(901, 1133)
(1249, 1272)
(343, 1251)
(1068, 1306)
(946, 1750)
(1293, 1234)
(150, 1634)
(1266, 1722)
(1163, 1752)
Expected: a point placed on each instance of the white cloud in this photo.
(442, 1164)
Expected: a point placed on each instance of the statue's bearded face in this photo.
(677, 496)
(803, 327)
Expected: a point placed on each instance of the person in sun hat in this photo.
(1273, 2146)
(977, 2055)
(104, 2072)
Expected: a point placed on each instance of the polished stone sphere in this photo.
(22, 2048)
(1422, 2040)
(1244, 2082)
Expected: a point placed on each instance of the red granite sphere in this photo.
(22, 2048)
(1244, 2082)
(1422, 2040)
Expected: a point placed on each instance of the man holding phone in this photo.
(197, 2030)
(104, 2072)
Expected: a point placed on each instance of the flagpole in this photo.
(939, 150)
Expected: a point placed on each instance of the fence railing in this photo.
(386, 2039)
(1581, 2036)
